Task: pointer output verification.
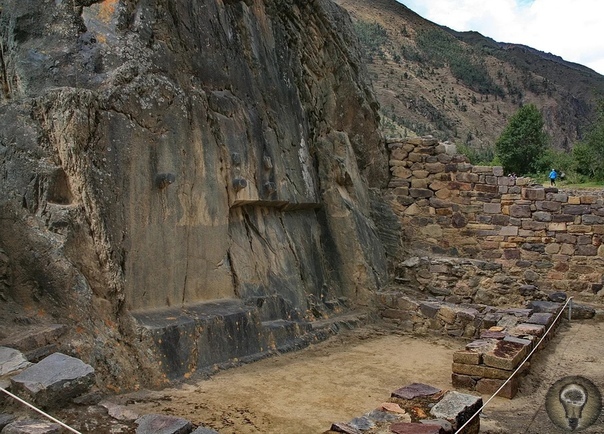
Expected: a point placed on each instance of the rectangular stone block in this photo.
(489, 386)
(492, 208)
(506, 355)
(467, 357)
(471, 370)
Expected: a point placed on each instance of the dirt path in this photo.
(351, 374)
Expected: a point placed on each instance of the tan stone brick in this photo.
(472, 370)
(508, 231)
(443, 193)
(552, 249)
(567, 249)
(574, 229)
(589, 199)
(489, 386)
(401, 172)
(598, 229)
(467, 357)
(556, 227)
(574, 200)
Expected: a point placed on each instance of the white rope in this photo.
(519, 366)
(39, 411)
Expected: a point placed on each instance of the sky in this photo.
(571, 29)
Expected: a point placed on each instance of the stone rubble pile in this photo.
(418, 409)
(59, 380)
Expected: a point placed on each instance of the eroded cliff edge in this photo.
(159, 154)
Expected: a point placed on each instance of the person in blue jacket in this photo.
(552, 177)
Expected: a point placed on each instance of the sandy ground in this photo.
(351, 374)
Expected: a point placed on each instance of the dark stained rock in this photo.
(580, 311)
(54, 381)
(544, 306)
(162, 424)
(415, 390)
(557, 297)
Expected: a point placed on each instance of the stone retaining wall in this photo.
(540, 236)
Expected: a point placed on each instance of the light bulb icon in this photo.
(573, 398)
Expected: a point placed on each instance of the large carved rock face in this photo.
(166, 152)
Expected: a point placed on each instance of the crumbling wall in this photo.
(506, 238)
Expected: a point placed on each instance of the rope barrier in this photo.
(39, 411)
(569, 300)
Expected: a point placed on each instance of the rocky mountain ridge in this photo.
(422, 91)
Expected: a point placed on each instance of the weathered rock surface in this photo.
(31, 427)
(165, 154)
(11, 360)
(54, 380)
(163, 424)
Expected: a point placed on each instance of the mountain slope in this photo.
(462, 86)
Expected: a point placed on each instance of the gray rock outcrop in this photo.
(162, 154)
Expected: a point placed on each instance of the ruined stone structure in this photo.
(491, 238)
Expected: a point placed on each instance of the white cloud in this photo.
(569, 29)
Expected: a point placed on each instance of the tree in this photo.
(589, 153)
(523, 141)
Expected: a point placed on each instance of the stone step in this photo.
(219, 334)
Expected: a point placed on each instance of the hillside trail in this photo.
(354, 372)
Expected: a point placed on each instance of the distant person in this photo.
(552, 177)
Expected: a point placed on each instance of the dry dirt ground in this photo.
(354, 372)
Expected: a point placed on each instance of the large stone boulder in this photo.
(53, 381)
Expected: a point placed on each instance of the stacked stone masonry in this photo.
(541, 236)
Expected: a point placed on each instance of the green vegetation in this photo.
(589, 153)
(439, 48)
(372, 36)
(523, 141)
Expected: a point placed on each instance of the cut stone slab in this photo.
(54, 380)
(415, 390)
(467, 357)
(12, 360)
(540, 306)
(162, 424)
(526, 329)
(506, 355)
(541, 318)
(416, 428)
(457, 408)
(31, 427)
(490, 334)
(489, 386)
(481, 345)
